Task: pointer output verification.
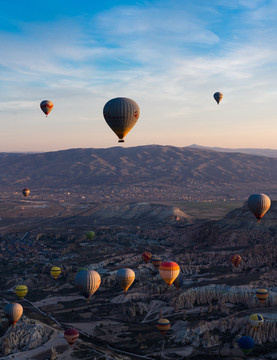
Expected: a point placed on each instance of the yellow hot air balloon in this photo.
(169, 270)
(46, 106)
(121, 114)
(55, 272)
(218, 96)
(262, 295)
(163, 325)
(125, 277)
(256, 320)
(13, 312)
(21, 291)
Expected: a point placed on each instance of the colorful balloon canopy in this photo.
(125, 277)
(21, 291)
(25, 192)
(55, 272)
(236, 260)
(87, 281)
(218, 96)
(71, 336)
(46, 106)
(246, 344)
(13, 312)
(121, 114)
(90, 235)
(156, 261)
(259, 204)
(146, 256)
(256, 320)
(262, 295)
(169, 270)
(163, 325)
(178, 282)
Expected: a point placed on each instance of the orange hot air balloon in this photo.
(236, 260)
(71, 336)
(259, 204)
(25, 192)
(13, 312)
(46, 106)
(125, 277)
(146, 256)
(163, 325)
(169, 270)
(121, 114)
(262, 295)
(218, 96)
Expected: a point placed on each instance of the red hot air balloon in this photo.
(146, 256)
(169, 270)
(236, 260)
(71, 336)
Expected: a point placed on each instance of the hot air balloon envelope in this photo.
(46, 106)
(71, 336)
(246, 344)
(169, 270)
(156, 261)
(163, 325)
(87, 281)
(21, 291)
(121, 114)
(146, 256)
(25, 192)
(262, 295)
(259, 204)
(125, 277)
(13, 312)
(256, 320)
(236, 260)
(218, 96)
(55, 272)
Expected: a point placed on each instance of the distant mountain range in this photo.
(250, 151)
(167, 169)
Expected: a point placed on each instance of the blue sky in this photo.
(169, 56)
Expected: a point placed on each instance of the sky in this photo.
(170, 56)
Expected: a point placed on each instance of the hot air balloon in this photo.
(125, 277)
(90, 235)
(156, 261)
(163, 325)
(146, 256)
(25, 192)
(178, 282)
(87, 281)
(169, 271)
(13, 312)
(218, 96)
(71, 336)
(121, 114)
(246, 344)
(262, 295)
(256, 320)
(55, 272)
(21, 291)
(46, 106)
(236, 260)
(259, 204)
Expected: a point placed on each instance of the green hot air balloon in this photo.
(121, 114)
(90, 235)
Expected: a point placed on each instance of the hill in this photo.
(143, 172)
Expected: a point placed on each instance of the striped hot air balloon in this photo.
(246, 344)
(125, 277)
(236, 260)
(87, 281)
(218, 96)
(262, 295)
(55, 272)
(46, 106)
(169, 270)
(13, 312)
(259, 204)
(256, 320)
(71, 336)
(146, 256)
(163, 325)
(21, 291)
(121, 114)
(156, 261)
